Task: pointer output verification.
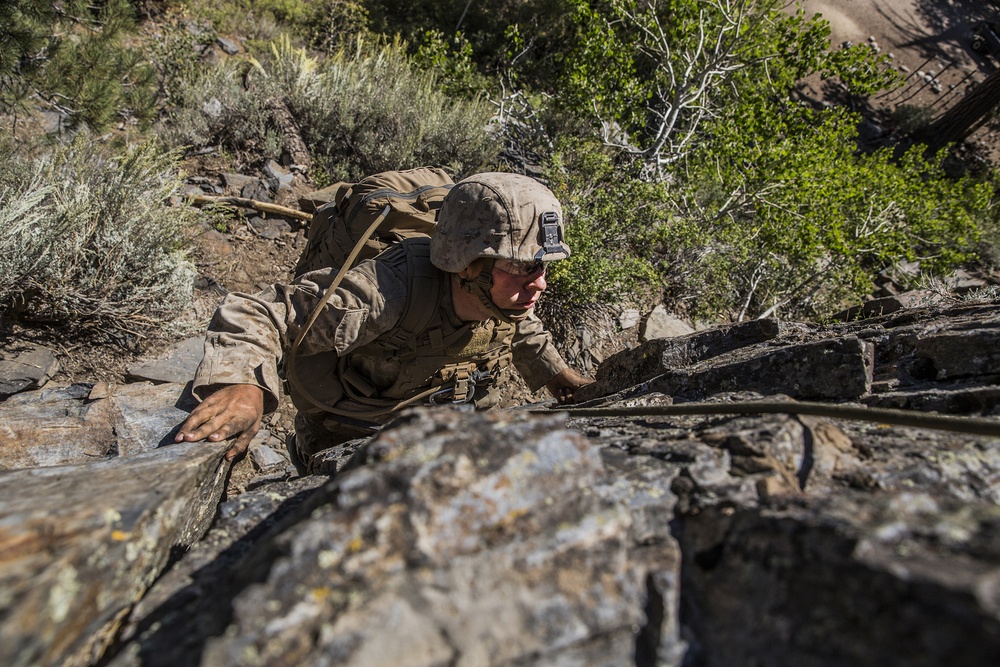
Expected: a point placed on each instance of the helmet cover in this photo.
(498, 216)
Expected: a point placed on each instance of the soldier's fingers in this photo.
(241, 444)
(191, 429)
(202, 424)
(228, 424)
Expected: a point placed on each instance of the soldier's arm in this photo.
(238, 379)
(539, 362)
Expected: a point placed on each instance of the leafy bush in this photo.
(175, 51)
(611, 229)
(805, 221)
(371, 110)
(87, 241)
(789, 223)
(451, 61)
(216, 109)
(360, 111)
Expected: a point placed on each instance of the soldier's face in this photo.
(511, 291)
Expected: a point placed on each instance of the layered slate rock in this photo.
(452, 538)
(87, 423)
(830, 369)
(806, 541)
(514, 538)
(656, 357)
(463, 540)
(944, 359)
(79, 545)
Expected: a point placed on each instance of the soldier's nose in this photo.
(537, 282)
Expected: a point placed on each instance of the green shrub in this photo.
(174, 51)
(804, 221)
(451, 61)
(371, 110)
(87, 241)
(216, 109)
(611, 229)
(322, 23)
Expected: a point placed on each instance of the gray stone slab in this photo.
(661, 324)
(311, 201)
(265, 457)
(171, 623)
(651, 359)
(236, 182)
(83, 424)
(628, 318)
(81, 544)
(961, 354)
(25, 366)
(177, 365)
(467, 539)
(832, 369)
(961, 400)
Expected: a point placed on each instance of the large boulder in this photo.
(81, 544)
(618, 536)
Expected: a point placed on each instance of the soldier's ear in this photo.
(472, 271)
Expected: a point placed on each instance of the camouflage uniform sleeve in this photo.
(535, 356)
(250, 335)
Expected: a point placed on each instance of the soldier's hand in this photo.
(564, 384)
(234, 410)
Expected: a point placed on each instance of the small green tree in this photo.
(71, 57)
(650, 72)
(757, 203)
(803, 220)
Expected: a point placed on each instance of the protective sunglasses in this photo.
(520, 268)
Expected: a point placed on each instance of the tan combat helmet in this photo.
(498, 216)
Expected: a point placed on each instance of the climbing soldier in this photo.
(429, 321)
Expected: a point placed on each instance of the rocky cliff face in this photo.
(536, 537)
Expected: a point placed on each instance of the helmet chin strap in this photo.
(480, 288)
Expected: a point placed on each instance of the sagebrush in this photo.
(361, 110)
(87, 240)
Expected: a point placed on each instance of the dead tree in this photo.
(685, 78)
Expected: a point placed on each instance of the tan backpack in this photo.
(363, 220)
(405, 204)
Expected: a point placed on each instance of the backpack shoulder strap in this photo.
(423, 293)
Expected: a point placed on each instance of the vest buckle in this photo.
(464, 388)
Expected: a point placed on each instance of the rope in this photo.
(973, 425)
